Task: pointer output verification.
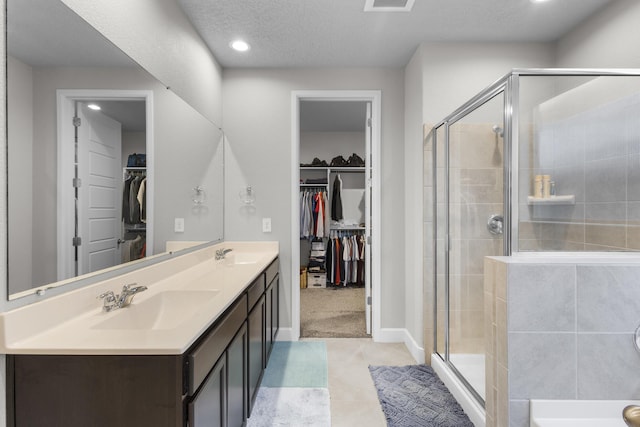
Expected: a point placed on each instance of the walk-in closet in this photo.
(133, 240)
(334, 218)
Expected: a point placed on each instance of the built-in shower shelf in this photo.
(568, 199)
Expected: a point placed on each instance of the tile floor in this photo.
(354, 400)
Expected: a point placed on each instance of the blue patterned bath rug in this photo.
(414, 396)
(297, 364)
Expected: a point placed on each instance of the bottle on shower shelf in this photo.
(537, 187)
(546, 186)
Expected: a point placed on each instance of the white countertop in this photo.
(185, 296)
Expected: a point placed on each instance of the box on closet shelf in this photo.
(303, 278)
(316, 280)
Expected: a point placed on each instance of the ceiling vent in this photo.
(388, 5)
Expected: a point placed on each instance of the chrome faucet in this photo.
(220, 253)
(111, 301)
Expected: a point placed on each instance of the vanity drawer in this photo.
(255, 290)
(272, 271)
(203, 357)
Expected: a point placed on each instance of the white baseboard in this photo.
(285, 334)
(403, 336)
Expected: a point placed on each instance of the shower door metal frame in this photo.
(510, 85)
(500, 86)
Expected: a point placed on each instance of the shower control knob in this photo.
(494, 224)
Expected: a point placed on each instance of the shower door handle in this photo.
(494, 224)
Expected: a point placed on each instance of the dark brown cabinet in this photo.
(256, 348)
(212, 384)
(271, 315)
(208, 407)
(237, 394)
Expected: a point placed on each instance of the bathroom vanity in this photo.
(189, 351)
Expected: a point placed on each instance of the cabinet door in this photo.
(209, 406)
(237, 391)
(256, 348)
(269, 322)
(275, 325)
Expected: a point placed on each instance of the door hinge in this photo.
(369, 300)
(77, 122)
(369, 122)
(368, 240)
(77, 241)
(77, 182)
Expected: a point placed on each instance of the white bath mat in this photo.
(290, 406)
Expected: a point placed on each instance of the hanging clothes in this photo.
(134, 204)
(313, 217)
(142, 200)
(344, 261)
(336, 199)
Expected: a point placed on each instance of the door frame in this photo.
(375, 98)
(65, 223)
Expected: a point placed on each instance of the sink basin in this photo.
(242, 258)
(166, 310)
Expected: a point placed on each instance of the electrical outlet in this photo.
(178, 225)
(266, 225)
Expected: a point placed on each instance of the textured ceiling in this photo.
(338, 33)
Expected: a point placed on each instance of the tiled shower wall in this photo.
(594, 155)
(560, 329)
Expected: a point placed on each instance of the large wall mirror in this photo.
(105, 164)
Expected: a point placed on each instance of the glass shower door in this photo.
(469, 210)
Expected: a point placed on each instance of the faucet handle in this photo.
(109, 300)
(107, 296)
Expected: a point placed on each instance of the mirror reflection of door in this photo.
(99, 150)
(98, 133)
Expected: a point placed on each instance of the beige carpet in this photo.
(332, 313)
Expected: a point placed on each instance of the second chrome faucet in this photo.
(221, 253)
(111, 301)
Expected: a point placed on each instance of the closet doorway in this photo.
(335, 215)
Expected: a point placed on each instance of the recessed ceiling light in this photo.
(95, 107)
(240, 45)
(539, 1)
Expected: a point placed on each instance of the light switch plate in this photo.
(266, 225)
(178, 226)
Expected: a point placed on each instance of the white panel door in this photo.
(99, 195)
(367, 215)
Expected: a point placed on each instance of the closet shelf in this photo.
(313, 185)
(335, 168)
(568, 199)
(346, 227)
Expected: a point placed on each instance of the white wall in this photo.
(20, 95)
(133, 142)
(158, 36)
(257, 123)
(455, 72)
(413, 224)
(607, 40)
(327, 145)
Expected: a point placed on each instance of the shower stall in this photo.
(542, 160)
